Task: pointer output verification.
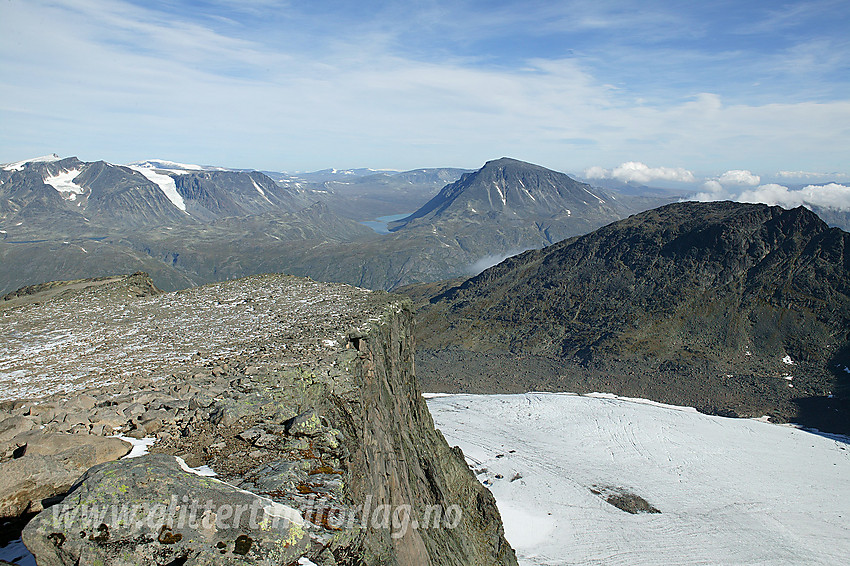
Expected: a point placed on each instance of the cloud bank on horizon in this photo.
(831, 196)
(738, 185)
(279, 85)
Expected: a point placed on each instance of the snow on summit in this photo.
(166, 165)
(18, 165)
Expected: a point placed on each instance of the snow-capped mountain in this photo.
(62, 191)
(19, 165)
(143, 194)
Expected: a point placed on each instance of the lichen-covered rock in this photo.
(150, 510)
(305, 424)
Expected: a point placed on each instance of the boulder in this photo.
(228, 412)
(307, 423)
(11, 427)
(82, 402)
(48, 466)
(152, 510)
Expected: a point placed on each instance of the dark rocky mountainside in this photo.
(214, 194)
(300, 395)
(511, 187)
(732, 308)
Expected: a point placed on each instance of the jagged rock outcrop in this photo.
(299, 392)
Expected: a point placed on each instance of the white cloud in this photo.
(637, 172)
(596, 172)
(489, 261)
(811, 176)
(642, 173)
(831, 196)
(739, 177)
(195, 91)
(713, 186)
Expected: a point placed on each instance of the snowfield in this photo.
(729, 491)
(166, 185)
(64, 183)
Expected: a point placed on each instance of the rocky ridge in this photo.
(300, 393)
(736, 309)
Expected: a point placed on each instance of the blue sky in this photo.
(701, 87)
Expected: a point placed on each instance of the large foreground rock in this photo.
(48, 466)
(150, 510)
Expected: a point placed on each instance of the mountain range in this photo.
(188, 224)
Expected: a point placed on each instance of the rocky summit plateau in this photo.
(282, 416)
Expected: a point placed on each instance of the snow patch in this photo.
(203, 471)
(501, 194)
(165, 183)
(140, 445)
(641, 401)
(261, 191)
(165, 164)
(729, 490)
(525, 529)
(64, 184)
(787, 360)
(594, 196)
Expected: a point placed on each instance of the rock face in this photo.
(732, 308)
(299, 392)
